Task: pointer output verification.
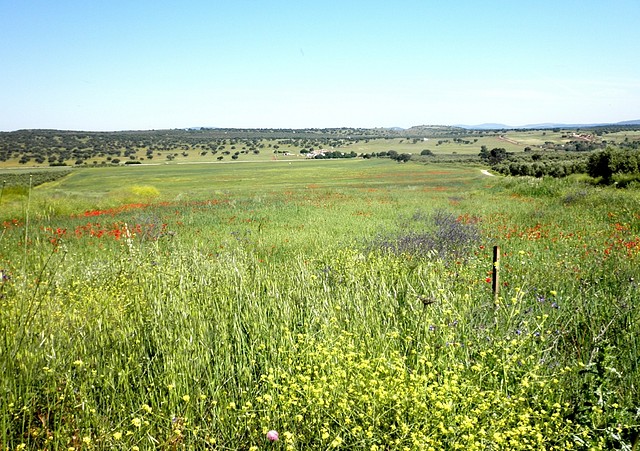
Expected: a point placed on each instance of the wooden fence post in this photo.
(496, 273)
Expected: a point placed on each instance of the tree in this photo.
(403, 157)
(610, 161)
(494, 157)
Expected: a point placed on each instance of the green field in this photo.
(345, 304)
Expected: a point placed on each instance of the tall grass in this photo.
(204, 324)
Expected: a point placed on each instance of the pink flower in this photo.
(272, 436)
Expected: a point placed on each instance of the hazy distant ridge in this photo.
(491, 126)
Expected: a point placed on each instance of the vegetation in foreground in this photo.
(341, 315)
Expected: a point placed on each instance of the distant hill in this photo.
(546, 125)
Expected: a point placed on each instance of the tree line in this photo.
(610, 165)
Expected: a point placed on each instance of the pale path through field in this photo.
(485, 172)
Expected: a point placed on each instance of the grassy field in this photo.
(344, 304)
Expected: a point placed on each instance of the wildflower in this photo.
(147, 408)
(117, 435)
(186, 398)
(137, 422)
(86, 440)
(273, 436)
(553, 293)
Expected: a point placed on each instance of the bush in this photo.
(441, 233)
(608, 162)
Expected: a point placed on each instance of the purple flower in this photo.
(273, 436)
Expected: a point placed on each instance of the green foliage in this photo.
(610, 162)
(494, 156)
(34, 178)
(204, 321)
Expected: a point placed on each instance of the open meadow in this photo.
(344, 304)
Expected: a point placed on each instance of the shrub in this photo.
(608, 162)
(441, 233)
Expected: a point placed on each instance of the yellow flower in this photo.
(137, 422)
(186, 398)
(117, 435)
(147, 408)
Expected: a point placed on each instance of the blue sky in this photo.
(122, 65)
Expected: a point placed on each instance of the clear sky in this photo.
(141, 64)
